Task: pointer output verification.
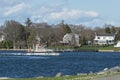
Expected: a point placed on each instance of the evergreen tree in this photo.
(67, 28)
(28, 22)
(107, 30)
(113, 30)
(83, 41)
(28, 30)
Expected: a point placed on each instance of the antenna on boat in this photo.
(38, 39)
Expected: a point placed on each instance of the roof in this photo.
(105, 34)
(71, 34)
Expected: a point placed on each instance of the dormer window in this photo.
(98, 37)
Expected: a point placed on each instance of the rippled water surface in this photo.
(69, 63)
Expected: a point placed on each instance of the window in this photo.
(103, 37)
(110, 41)
(98, 37)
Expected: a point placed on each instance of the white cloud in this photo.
(52, 13)
(72, 14)
(55, 15)
(16, 8)
(91, 13)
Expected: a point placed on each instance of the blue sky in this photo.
(87, 12)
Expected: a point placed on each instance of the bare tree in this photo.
(15, 32)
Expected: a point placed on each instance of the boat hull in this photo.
(43, 54)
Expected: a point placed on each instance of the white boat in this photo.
(40, 50)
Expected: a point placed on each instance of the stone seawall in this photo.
(15, 49)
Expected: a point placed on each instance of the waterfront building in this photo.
(71, 39)
(104, 39)
(2, 36)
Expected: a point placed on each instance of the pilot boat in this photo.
(41, 50)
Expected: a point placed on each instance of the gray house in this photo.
(71, 39)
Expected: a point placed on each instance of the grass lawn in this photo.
(92, 47)
(87, 47)
(110, 48)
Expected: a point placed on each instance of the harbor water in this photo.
(68, 63)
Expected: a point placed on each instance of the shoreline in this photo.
(15, 49)
(102, 75)
(67, 50)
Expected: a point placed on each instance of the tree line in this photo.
(19, 35)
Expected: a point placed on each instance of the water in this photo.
(69, 63)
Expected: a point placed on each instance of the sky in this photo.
(92, 13)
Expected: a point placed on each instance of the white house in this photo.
(71, 38)
(104, 39)
(2, 38)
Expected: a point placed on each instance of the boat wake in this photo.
(37, 57)
(1, 78)
(21, 55)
